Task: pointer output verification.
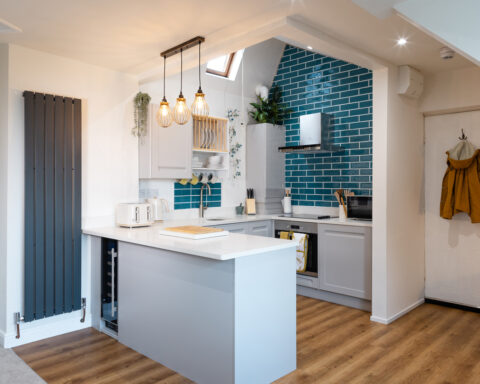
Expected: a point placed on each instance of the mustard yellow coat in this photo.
(461, 188)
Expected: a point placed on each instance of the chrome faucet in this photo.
(202, 208)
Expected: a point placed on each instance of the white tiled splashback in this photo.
(156, 188)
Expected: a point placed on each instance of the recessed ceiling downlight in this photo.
(6, 27)
(402, 41)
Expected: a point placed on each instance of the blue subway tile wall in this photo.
(188, 196)
(313, 83)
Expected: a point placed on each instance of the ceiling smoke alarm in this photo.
(447, 53)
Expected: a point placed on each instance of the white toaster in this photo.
(134, 215)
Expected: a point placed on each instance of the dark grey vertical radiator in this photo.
(53, 184)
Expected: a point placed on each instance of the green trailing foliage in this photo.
(140, 113)
(270, 110)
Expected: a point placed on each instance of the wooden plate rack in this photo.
(210, 134)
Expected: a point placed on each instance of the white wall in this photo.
(451, 91)
(452, 251)
(259, 67)
(398, 217)
(3, 179)
(110, 156)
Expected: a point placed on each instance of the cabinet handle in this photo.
(137, 214)
(148, 214)
(114, 255)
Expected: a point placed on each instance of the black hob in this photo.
(307, 216)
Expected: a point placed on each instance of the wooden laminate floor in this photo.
(336, 344)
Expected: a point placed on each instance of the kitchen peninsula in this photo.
(219, 310)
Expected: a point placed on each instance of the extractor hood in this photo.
(316, 135)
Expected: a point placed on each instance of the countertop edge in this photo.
(188, 250)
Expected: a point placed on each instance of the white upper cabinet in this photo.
(265, 166)
(165, 153)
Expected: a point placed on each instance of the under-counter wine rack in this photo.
(210, 134)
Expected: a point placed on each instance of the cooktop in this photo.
(308, 216)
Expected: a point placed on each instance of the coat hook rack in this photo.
(463, 137)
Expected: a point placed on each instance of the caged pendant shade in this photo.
(181, 113)
(200, 107)
(164, 114)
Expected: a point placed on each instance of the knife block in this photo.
(250, 207)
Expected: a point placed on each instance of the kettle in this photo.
(159, 208)
(287, 204)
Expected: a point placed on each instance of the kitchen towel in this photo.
(302, 250)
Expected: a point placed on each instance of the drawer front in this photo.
(261, 228)
(234, 228)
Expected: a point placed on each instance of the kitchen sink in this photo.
(218, 218)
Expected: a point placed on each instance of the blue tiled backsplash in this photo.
(312, 83)
(188, 196)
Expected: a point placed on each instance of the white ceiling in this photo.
(128, 36)
(379, 8)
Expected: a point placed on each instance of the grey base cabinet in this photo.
(258, 228)
(214, 322)
(345, 260)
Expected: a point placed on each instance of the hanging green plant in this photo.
(140, 113)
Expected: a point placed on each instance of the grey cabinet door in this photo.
(345, 260)
(258, 228)
(235, 228)
(261, 228)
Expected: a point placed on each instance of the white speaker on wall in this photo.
(410, 82)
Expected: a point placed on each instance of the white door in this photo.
(452, 247)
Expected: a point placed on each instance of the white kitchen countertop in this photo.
(220, 248)
(335, 221)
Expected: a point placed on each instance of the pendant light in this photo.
(181, 113)
(164, 115)
(200, 106)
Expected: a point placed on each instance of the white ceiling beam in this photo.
(289, 29)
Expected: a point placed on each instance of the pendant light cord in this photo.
(164, 69)
(199, 76)
(181, 72)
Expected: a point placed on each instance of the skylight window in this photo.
(225, 66)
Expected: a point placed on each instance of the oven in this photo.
(311, 230)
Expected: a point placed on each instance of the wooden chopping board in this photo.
(193, 232)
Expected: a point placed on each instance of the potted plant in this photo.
(269, 109)
(140, 113)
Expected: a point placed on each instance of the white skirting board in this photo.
(403, 312)
(43, 329)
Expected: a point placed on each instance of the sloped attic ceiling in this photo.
(259, 62)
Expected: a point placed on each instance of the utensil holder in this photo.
(250, 207)
(341, 213)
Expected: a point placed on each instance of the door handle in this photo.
(112, 289)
